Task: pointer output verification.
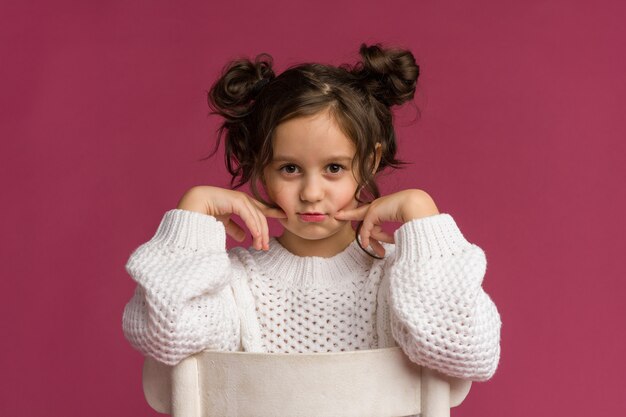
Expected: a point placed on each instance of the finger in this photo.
(275, 213)
(266, 230)
(378, 248)
(243, 210)
(264, 212)
(234, 230)
(365, 232)
(256, 213)
(267, 211)
(264, 238)
(381, 235)
(352, 214)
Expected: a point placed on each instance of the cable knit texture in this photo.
(425, 296)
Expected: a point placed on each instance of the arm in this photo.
(441, 316)
(182, 303)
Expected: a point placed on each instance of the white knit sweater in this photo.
(425, 296)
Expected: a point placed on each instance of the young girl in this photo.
(310, 143)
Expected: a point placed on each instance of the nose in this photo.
(312, 189)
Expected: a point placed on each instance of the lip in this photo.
(312, 217)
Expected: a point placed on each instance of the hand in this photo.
(401, 207)
(222, 204)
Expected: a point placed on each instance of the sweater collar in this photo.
(281, 266)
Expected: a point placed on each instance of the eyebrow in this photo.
(336, 158)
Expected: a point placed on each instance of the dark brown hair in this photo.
(253, 101)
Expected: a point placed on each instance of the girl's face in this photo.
(310, 178)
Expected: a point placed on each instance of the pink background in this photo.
(521, 139)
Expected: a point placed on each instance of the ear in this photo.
(378, 153)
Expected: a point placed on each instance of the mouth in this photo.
(312, 217)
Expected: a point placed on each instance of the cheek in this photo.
(345, 196)
(280, 195)
(349, 204)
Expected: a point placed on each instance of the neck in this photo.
(325, 248)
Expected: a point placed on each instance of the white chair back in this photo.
(366, 383)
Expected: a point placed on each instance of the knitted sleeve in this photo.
(441, 317)
(182, 303)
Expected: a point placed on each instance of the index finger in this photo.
(267, 211)
(352, 214)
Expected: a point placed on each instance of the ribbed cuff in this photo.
(191, 230)
(423, 238)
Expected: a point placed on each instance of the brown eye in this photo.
(334, 168)
(289, 169)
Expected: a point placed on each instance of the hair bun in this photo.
(389, 74)
(239, 84)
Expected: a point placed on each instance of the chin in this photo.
(312, 231)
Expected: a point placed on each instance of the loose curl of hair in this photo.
(358, 97)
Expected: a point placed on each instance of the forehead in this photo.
(311, 138)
